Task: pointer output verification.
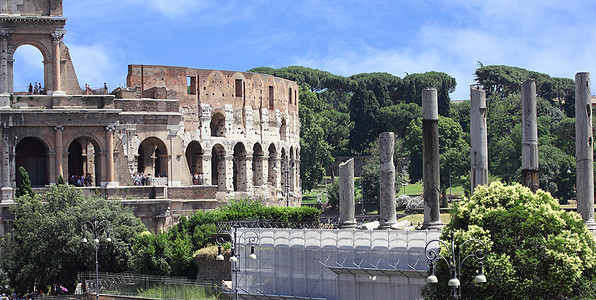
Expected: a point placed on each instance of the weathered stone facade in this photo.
(210, 135)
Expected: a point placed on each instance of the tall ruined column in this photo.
(6, 182)
(347, 210)
(430, 159)
(584, 149)
(4, 77)
(529, 136)
(59, 151)
(56, 40)
(478, 137)
(110, 155)
(387, 216)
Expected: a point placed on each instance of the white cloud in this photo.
(95, 64)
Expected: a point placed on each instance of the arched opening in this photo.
(257, 165)
(239, 167)
(83, 164)
(194, 158)
(272, 170)
(32, 154)
(153, 158)
(218, 125)
(282, 130)
(292, 167)
(284, 171)
(218, 167)
(28, 71)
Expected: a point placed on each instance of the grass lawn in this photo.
(415, 189)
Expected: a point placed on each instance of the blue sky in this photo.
(342, 37)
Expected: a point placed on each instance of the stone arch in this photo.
(239, 167)
(292, 166)
(257, 165)
(284, 170)
(152, 157)
(84, 163)
(45, 54)
(218, 167)
(272, 170)
(218, 124)
(194, 158)
(32, 154)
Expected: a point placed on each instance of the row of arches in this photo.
(84, 160)
(218, 126)
(84, 167)
(263, 165)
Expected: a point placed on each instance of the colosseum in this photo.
(173, 141)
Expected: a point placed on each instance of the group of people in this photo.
(89, 91)
(140, 178)
(197, 179)
(36, 90)
(80, 180)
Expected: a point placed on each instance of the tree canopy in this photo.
(45, 247)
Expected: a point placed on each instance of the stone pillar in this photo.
(430, 159)
(206, 168)
(529, 136)
(347, 210)
(110, 182)
(56, 40)
(59, 146)
(6, 191)
(229, 174)
(387, 217)
(248, 167)
(4, 76)
(478, 137)
(584, 150)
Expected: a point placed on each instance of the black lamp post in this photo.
(234, 239)
(96, 229)
(455, 262)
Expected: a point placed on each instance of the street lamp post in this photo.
(455, 262)
(234, 239)
(96, 229)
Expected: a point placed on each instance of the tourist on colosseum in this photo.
(36, 89)
(30, 89)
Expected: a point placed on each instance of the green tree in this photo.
(453, 150)
(535, 249)
(24, 184)
(415, 83)
(315, 151)
(396, 118)
(45, 248)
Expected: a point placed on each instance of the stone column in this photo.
(387, 217)
(207, 167)
(6, 182)
(56, 40)
(110, 156)
(248, 167)
(229, 174)
(4, 76)
(529, 136)
(584, 150)
(59, 146)
(347, 213)
(478, 137)
(430, 159)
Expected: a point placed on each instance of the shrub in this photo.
(535, 250)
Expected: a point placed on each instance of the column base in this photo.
(6, 194)
(347, 225)
(109, 184)
(4, 100)
(432, 225)
(56, 93)
(386, 225)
